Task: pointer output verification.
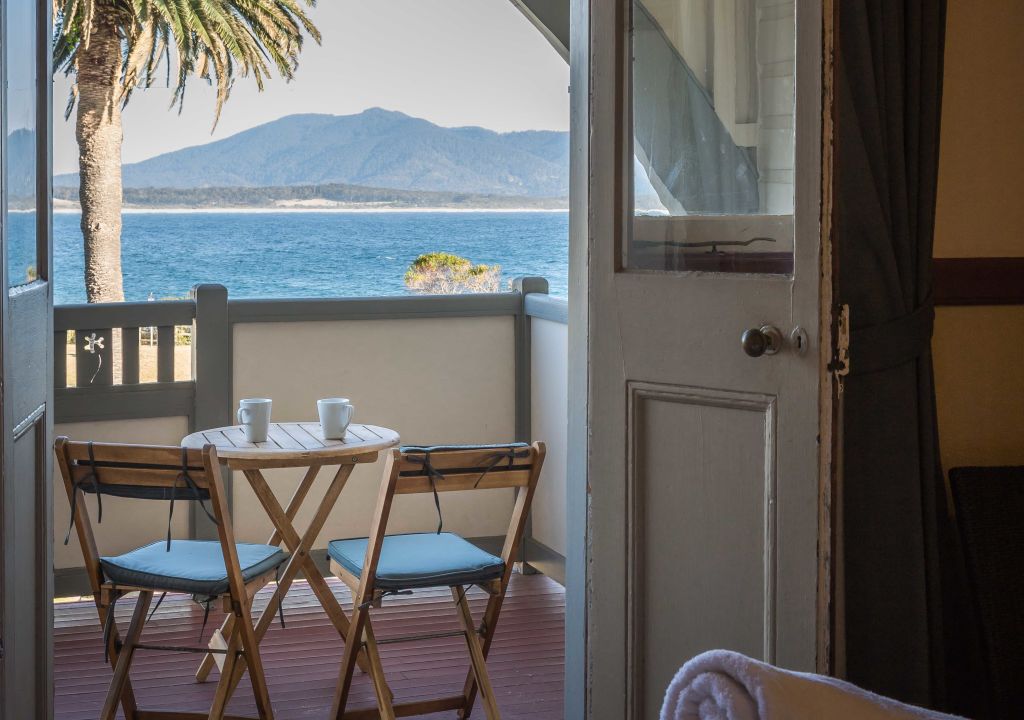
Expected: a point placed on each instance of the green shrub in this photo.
(440, 273)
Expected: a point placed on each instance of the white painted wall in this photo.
(126, 523)
(776, 47)
(439, 380)
(549, 397)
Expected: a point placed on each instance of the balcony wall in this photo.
(549, 372)
(433, 380)
(466, 369)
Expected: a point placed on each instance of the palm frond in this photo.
(215, 40)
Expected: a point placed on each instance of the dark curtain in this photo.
(888, 94)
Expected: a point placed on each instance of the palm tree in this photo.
(112, 47)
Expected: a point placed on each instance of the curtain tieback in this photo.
(892, 343)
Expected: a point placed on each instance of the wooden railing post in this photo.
(524, 385)
(524, 286)
(211, 371)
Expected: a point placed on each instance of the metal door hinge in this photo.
(840, 364)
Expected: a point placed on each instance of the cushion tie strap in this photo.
(205, 601)
(190, 484)
(433, 472)
(108, 627)
(369, 603)
(94, 481)
(157, 606)
(510, 454)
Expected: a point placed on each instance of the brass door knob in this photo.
(765, 340)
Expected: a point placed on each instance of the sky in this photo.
(453, 62)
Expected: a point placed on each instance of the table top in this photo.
(293, 444)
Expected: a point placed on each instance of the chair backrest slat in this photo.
(476, 480)
(142, 468)
(448, 457)
(129, 476)
(160, 455)
(452, 469)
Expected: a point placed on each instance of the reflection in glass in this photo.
(21, 142)
(713, 131)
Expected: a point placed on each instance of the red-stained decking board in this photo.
(301, 660)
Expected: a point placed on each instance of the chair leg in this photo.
(254, 662)
(380, 685)
(128, 704)
(124, 658)
(348, 662)
(225, 686)
(490, 621)
(242, 654)
(476, 655)
(210, 660)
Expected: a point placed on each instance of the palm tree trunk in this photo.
(98, 130)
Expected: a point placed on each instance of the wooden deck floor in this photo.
(301, 660)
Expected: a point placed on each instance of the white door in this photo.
(26, 362)
(702, 168)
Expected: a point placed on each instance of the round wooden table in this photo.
(290, 445)
(299, 444)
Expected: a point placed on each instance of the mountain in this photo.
(376, 148)
(21, 165)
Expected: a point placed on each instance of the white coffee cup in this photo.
(335, 415)
(254, 417)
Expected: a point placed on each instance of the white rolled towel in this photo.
(724, 685)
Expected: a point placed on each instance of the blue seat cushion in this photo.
(191, 566)
(419, 560)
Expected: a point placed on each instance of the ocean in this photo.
(309, 253)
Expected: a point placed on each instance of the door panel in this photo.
(26, 346)
(24, 644)
(678, 477)
(702, 460)
(27, 309)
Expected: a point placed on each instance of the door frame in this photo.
(40, 421)
(577, 444)
(600, 229)
(833, 367)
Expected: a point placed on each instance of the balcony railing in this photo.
(453, 368)
(85, 383)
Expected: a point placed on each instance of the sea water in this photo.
(271, 254)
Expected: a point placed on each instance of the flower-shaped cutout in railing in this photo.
(93, 344)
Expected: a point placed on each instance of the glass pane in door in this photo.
(22, 159)
(713, 135)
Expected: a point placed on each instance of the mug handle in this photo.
(241, 415)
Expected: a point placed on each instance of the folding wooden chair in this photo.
(211, 570)
(383, 565)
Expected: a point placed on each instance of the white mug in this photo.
(335, 415)
(254, 417)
